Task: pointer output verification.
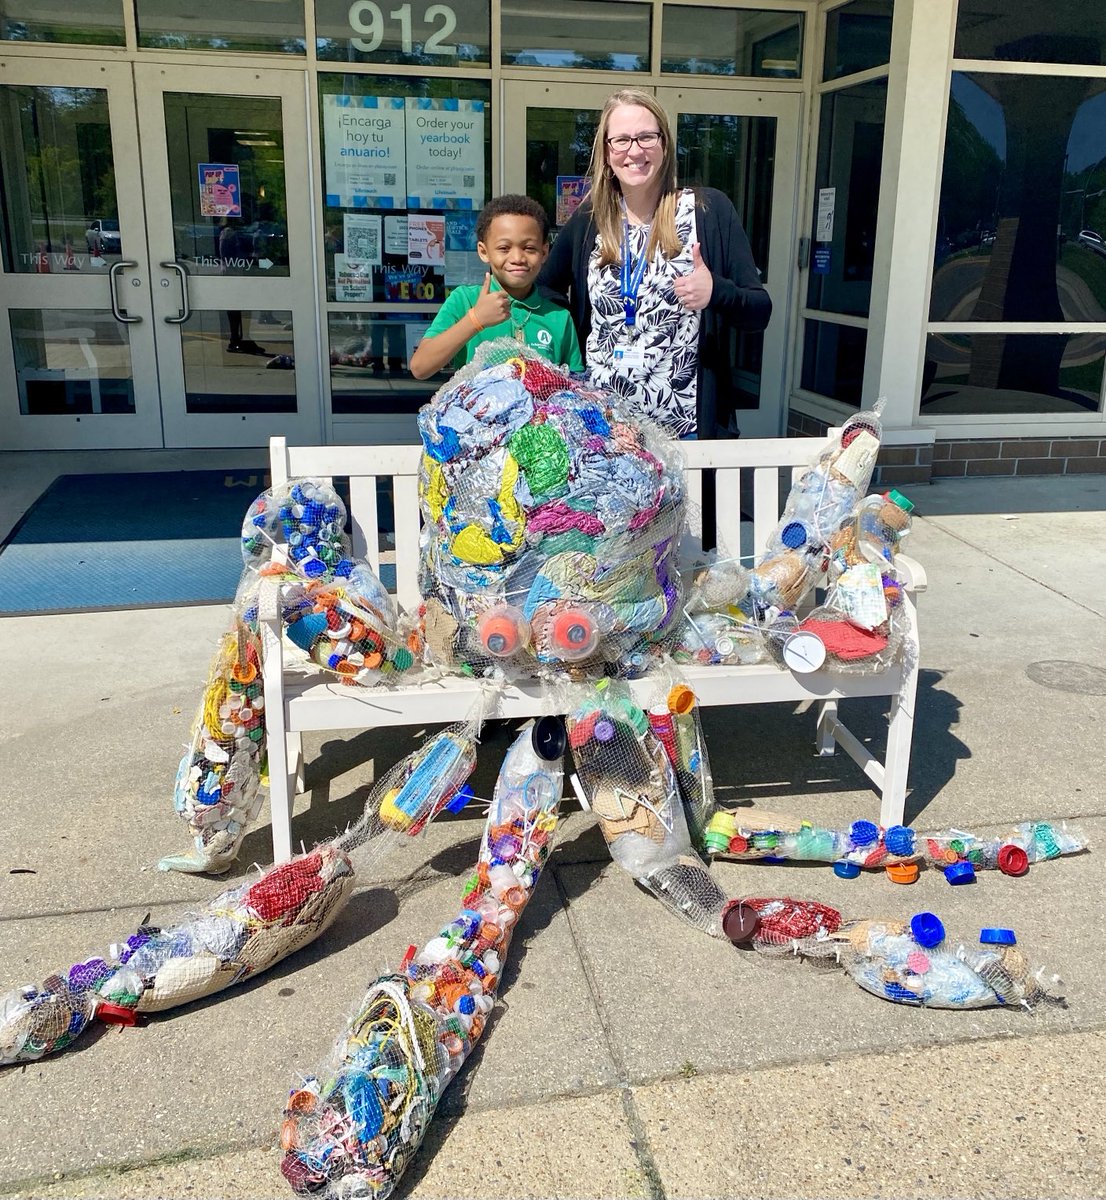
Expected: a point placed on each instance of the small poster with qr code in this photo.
(445, 153)
(361, 238)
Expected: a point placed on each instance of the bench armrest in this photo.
(912, 572)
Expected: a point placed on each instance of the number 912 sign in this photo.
(433, 27)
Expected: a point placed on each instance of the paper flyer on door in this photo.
(364, 149)
(220, 190)
(445, 153)
(361, 238)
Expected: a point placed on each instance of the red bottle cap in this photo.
(1012, 860)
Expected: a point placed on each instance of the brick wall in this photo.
(974, 457)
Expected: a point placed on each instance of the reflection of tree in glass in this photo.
(970, 183)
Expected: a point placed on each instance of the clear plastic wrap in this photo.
(630, 784)
(550, 524)
(352, 1129)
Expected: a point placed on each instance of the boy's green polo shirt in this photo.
(546, 329)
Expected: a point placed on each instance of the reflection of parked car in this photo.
(1093, 241)
(102, 236)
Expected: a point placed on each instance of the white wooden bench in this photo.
(296, 703)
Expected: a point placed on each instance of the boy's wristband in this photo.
(475, 323)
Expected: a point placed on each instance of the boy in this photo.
(512, 237)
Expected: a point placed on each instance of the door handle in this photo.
(185, 310)
(120, 314)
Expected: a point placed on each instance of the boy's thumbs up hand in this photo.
(694, 289)
(491, 308)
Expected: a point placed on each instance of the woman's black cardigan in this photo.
(738, 300)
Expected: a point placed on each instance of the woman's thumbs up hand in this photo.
(694, 289)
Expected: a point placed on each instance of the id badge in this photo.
(628, 359)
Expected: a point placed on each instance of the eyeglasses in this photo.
(646, 141)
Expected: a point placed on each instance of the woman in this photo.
(656, 276)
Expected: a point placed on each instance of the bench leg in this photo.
(280, 794)
(827, 720)
(900, 734)
(295, 763)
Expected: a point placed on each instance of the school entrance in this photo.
(206, 247)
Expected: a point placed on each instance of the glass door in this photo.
(743, 143)
(746, 145)
(548, 130)
(77, 360)
(231, 246)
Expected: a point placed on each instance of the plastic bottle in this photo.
(503, 631)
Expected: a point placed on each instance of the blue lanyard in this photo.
(631, 275)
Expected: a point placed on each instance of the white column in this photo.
(910, 184)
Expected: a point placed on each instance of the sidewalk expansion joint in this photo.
(639, 1138)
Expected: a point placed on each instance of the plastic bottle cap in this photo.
(997, 937)
(905, 872)
(793, 535)
(724, 646)
(548, 738)
(846, 870)
(899, 839)
(1012, 860)
(739, 921)
(960, 872)
(896, 497)
(603, 731)
(927, 929)
(460, 798)
(864, 833)
(681, 699)
(573, 634)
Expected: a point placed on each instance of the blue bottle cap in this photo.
(460, 798)
(960, 872)
(863, 833)
(846, 870)
(793, 535)
(997, 937)
(899, 839)
(927, 929)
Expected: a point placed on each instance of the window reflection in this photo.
(833, 360)
(369, 359)
(714, 41)
(57, 179)
(599, 35)
(274, 26)
(227, 182)
(71, 362)
(239, 361)
(1013, 373)
(1021, 232)
(850, 151)
(558, 151)
(83, 23)
(858, 37)
(1056, 31)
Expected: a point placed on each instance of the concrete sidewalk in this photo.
(629, 1056)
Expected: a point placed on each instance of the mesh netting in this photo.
(800, 927)
(550, 523)
(674, 718)
(421, 785)
(884, 958)
(750, 834)
(1030, 842)
(353, 1129)
(239, 934)
(630, 783)
(333, 607)
(862, 622)
(218, 786)
(736, 615)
